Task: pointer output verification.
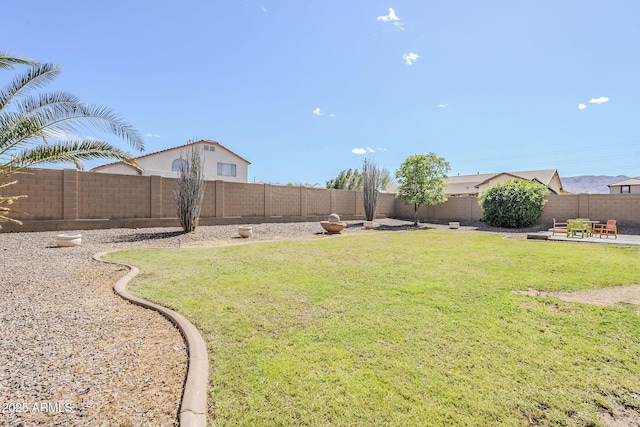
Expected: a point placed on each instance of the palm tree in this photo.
(32, 125)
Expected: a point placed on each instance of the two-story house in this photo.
(219, 163)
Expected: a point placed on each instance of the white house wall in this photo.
(121, 169)
(160, 164)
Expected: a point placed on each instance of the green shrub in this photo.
(515, 203)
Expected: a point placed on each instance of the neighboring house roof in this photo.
(631, 181)
(206, 141)
(470, 184)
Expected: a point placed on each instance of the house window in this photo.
(178, 165)
(209, 148)
(625, 189)
(226, 169)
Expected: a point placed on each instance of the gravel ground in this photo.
(73, 353)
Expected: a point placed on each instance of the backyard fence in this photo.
(72, 200)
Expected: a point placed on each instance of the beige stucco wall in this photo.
(554, 184)
(120, 169)
(615, 189)
(159, 164)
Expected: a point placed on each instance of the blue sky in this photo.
(306, 88)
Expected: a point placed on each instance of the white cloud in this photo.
(443, 105)
(264, 9)
(410, 58)
(392, 17)
(600, 100)
(152, 135)
(332, 115)
(363, 150)
(317, 112)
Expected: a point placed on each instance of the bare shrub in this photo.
(371, 182)
(190, 189)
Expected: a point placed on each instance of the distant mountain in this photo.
(597, 184)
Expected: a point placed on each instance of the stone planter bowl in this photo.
(333, 227)
(245, 231)
(68, 240)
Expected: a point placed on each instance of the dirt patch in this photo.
(622, 411)
(606, 296)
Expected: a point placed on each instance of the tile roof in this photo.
(468, 184)
(630, 181)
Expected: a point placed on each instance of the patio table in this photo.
(580, 225)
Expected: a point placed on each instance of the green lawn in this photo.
(404, 328)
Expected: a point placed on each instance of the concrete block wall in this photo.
(112, 196)
(318, 201)
(68, 199)
(288, 201)
(625, 208)
(343, 202)
(243, 200)
(44, 189)
(561, 208)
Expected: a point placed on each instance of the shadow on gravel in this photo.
(139, 237)
(402, 227)
(387, 227)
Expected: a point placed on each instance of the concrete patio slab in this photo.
(622, 240)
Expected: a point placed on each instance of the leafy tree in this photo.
(350, 179)
(385, 179)
(31, 125)
(302, 184)
(421, 179)
(514, 203)
(371, 183)
(190, 189)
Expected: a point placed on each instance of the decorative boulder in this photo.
(334, 217)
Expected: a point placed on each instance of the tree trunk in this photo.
(415, 214)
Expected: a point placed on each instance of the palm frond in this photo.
(52, 99)
(68, 152)
(36, 77)
(31, 125)
(18, 130)
(7, 61)
(63, 112)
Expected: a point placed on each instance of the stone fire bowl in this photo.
(333, 227)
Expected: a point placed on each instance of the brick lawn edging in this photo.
(193, 408)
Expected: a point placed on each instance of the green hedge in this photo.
(514, 204)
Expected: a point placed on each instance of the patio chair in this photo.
(606, 228)
(559, 227)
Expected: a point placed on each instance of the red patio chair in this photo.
(559, 227)
(606, 228)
